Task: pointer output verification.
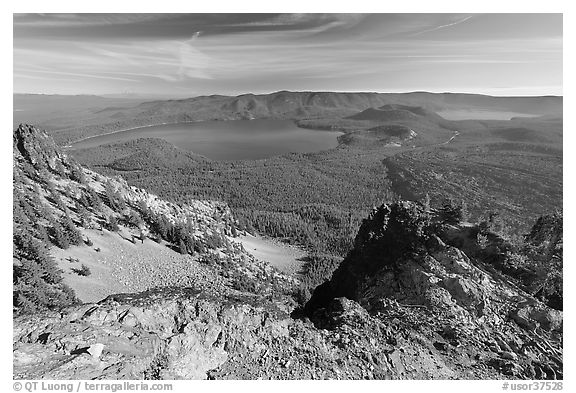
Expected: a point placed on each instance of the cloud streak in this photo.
(441, 26)
(193, 63)
(80, 75)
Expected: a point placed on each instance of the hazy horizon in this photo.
(187, 55)
(167, 96)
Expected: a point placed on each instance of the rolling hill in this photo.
(84, 118)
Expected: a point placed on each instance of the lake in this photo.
(229, 140)
(480, 114)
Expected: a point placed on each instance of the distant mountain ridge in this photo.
(106, 116)
(289, 103)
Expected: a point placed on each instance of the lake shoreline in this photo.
(225, 140)
(70, 146)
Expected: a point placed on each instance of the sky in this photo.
(185, 55)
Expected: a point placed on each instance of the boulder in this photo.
(95, 350)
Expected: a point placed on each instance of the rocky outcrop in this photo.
(184, 334)
(162, 334)
(399, 259)
(35, 146)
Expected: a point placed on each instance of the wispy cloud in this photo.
(67, 20)
(221, 53)
(193, 63)
(48, 78)
(81, 75)
(441, 26)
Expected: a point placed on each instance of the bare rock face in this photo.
(401, 265)
(166, 334)
(183, 334)
(35, 146)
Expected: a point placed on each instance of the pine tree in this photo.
(182, 247)
(450, 213)
(71, 232)
(134, 219)
(77, 174)
(59, 235)
(160, 226)
(94, 199)
(84, 216)
(18, 214)
(59, 168)
(27, 209)
(427, 206)
(42, 233)
(83, 200)
(112, 224)
(37, 281)
(145, 211)
(117, 203)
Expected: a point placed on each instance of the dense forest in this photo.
(316, 200)
(319, 199)
(518, 181)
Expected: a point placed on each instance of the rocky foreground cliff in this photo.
(413, 299)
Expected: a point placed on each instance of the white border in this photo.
(414, 6)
